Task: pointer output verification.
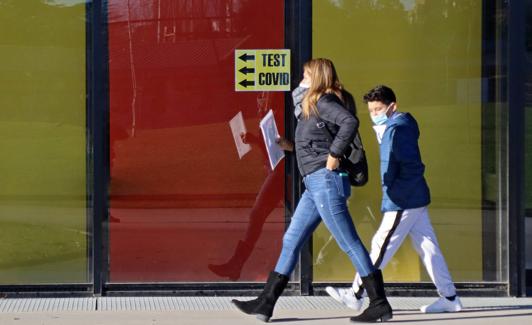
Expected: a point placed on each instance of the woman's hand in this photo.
(332, 163)
(285, 144)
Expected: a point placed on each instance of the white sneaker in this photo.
(345, 296)
(443, 305)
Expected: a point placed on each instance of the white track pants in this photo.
(394, 228)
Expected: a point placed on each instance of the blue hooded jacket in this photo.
(403, 183)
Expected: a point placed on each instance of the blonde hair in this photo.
(323, 80)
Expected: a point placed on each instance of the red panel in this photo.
(181, 199)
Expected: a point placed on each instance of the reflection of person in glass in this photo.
(325, 196)
(404, 204)
(267, 199)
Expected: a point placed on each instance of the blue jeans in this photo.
(325, 198)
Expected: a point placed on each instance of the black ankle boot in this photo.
(379, 309)
(263, 305)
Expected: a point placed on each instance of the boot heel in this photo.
(263, 318)
(386, 317)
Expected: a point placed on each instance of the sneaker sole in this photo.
(333, 293)
(424, 311)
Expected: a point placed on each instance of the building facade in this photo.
(120, 171)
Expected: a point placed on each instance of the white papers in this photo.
(237, 128)
(270, 134)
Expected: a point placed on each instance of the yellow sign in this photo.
(262, 70)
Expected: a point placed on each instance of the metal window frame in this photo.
(99, 151)
(516, 63)
(94, 96)
(298, 31)
(293, 11)
(488, 136)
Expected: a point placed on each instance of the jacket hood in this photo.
(403, 120)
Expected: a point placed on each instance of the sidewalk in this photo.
(219, 310)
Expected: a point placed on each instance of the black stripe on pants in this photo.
(384, 246)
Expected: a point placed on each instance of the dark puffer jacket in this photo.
(312, 145)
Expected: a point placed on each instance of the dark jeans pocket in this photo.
(346, 185)
(341, 180)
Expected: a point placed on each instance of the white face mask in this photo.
(382, 117)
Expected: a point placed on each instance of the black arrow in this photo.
(246, 70)
(245, 57)
(245, 83)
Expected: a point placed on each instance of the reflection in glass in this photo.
(181, 199)
(43, 218)
(430, 53)
(269, 197)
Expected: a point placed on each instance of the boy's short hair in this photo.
(380, 93)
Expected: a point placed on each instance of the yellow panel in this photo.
(429, 52)
(42, 136)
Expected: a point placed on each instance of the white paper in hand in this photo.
(270, 134)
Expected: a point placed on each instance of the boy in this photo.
(405, 196)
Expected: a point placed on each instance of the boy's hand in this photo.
(332, 163)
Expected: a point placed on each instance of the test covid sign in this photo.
(262, 70)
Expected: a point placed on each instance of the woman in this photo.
(327, 189)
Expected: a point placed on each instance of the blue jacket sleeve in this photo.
(405, 151)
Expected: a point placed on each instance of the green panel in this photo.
(43, 217)
(429, 52)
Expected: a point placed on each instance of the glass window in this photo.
(431, 54)
(43, 196)
(184, 206)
